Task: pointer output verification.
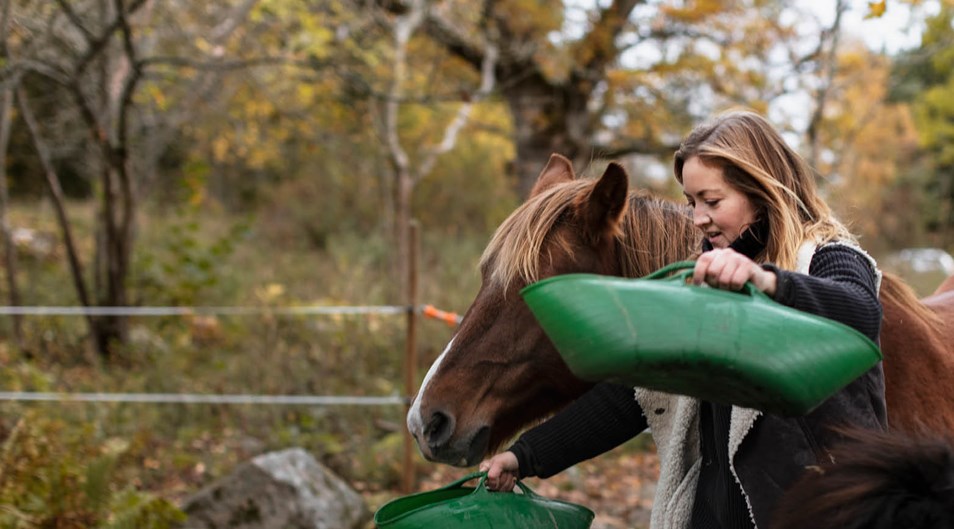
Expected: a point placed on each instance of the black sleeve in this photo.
(601, 419)
(840, 286)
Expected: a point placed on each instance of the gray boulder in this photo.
(279, 490)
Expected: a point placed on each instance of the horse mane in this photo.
(896, 292)
(662, 228)
(877, 480)
(664, 231)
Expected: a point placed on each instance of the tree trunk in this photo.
(9, 249)
(6, 118)
(56, 197)
(548, 115)
(547, 119)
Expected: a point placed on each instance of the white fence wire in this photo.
(212, 311)
(196, 398)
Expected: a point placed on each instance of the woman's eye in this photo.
(711, 203)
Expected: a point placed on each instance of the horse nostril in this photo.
(439, 429)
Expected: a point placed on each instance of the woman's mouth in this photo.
(713, 237)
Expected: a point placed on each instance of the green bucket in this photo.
(478, 508)
(659, 332)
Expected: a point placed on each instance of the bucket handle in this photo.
(685, 268)
(481, 485)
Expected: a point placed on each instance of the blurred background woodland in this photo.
(272, 153)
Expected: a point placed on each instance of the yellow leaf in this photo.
(270, 292)
(876, 9)
(220, 148)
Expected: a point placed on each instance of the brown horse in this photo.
(500, 372)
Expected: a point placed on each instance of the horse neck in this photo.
(655, 233)
(946, 286)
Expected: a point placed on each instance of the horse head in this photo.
(500, 371)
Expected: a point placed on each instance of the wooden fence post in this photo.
(410, 352)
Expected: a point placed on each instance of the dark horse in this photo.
(500, 372)
(880, 480)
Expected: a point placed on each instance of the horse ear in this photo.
(559, 169)
(603, 208)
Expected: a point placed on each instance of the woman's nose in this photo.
(700, 219)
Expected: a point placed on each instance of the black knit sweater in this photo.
(840, 286)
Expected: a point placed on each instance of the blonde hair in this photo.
(755, 159)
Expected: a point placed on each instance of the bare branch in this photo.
(463, 113)
(232, 22)
(9, 248)
(56, 195)
(223, 65)
(20, 66)
(97, 44)
(454, 40)
(829, 60)
(443, 31)
(75, 19)
(599, 47)
(635, 146)
(404, 27)
(120, 158)
(4, 27)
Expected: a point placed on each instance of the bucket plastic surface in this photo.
(463, 507)
(659, 332)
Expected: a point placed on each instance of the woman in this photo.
(755, 201)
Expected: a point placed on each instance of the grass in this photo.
(173, 449)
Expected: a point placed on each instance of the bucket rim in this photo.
(527, 492)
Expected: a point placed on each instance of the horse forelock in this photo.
(514, 252)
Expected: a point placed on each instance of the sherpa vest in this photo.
(674, 423)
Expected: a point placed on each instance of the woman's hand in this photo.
(501, 471)
(727, 269)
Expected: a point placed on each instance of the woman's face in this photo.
(720, 211)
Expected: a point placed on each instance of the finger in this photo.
(716, 269)
(701, 270)
(491, 483)
(503, 482)
(736, 272)
(764, 280)
(740, 276)
(724, 278)
(493, 472)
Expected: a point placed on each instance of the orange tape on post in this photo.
(450, 318)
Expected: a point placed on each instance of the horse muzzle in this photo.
(440, 442)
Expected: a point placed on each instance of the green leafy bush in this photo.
(52, 476)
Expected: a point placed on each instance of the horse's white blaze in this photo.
(415, 423)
